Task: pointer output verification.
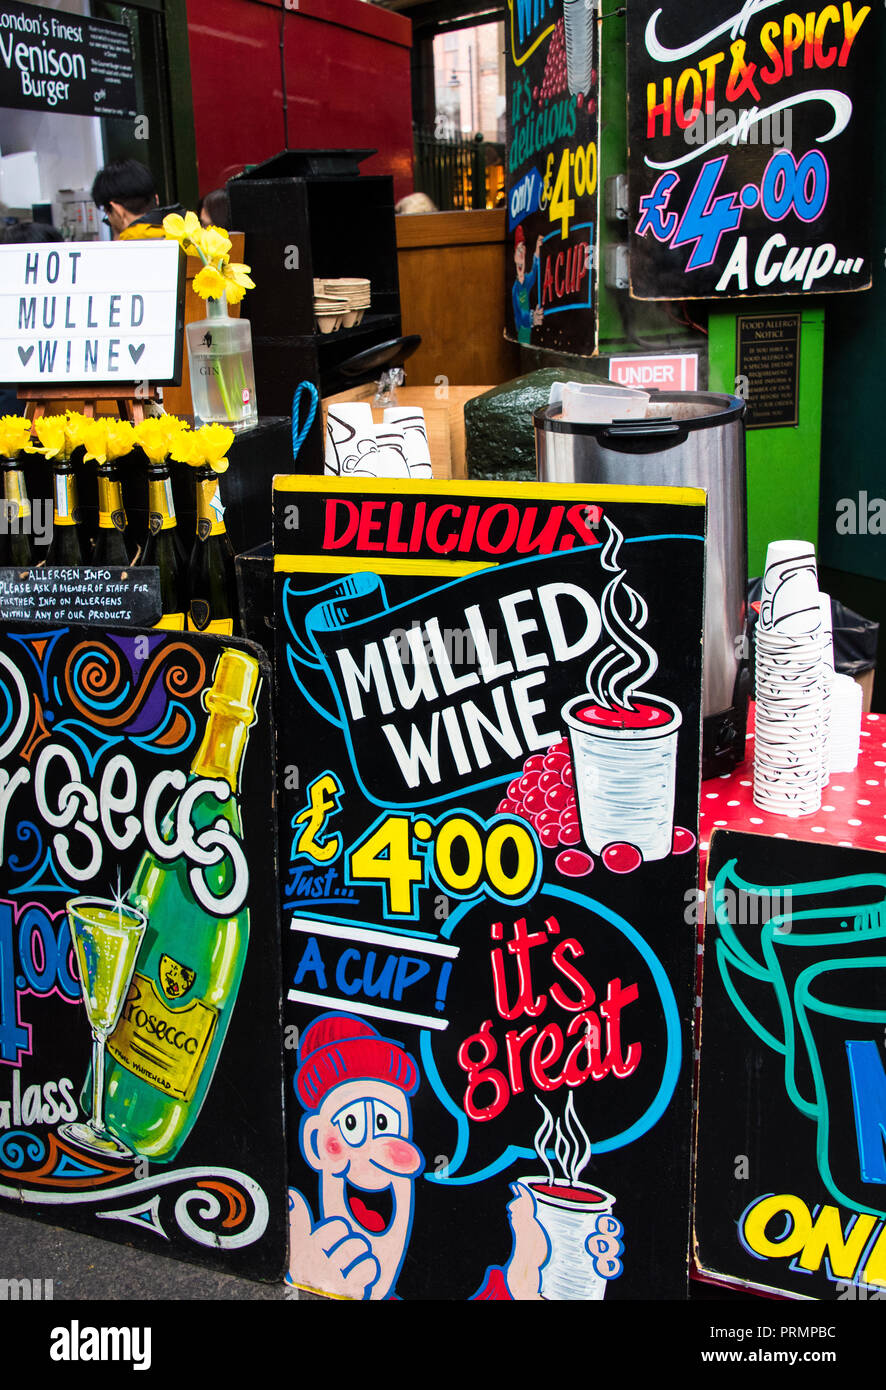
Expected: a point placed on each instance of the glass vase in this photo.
(222, 373)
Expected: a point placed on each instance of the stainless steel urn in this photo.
(688, 439)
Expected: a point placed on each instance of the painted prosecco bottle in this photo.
(164, 1050)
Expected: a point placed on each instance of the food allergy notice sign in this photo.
(488, 712)
(768, 357)
(51, 60)
(749, 129)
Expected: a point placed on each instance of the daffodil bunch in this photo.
(158, 435)
(219, 275)
(15, 436)
(206, 447)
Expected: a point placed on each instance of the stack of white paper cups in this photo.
(790, 679)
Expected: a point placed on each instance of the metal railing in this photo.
(451, 171)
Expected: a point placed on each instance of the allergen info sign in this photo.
(54, 61)
(90, 312)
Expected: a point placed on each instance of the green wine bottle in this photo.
(16, 545)
(164, 1050)
(212, 581)
(64, 548)
(164, 549)
(110, 543)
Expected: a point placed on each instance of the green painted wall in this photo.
(783, 464)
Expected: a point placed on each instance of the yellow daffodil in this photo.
(15, 436)
(50, 430)
(209, 283)
(120, 435)
(179, 228)
(237, 281)
(214, 442)
(152, 437)
(183, 449)
(205, 447)
(74, 425)
(94, 438)
(215, 244)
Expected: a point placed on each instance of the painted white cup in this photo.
(572, 1214)
(625, 773)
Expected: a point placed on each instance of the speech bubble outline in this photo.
(641, 1126)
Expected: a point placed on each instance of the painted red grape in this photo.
(573, 863)
(569, 833)
(622, 858)
(683, 841)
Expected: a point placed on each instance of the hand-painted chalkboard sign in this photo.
(488, 712)
(81, 594)
(749, 131)
(791, 1165)
(552, 137)
(140, 1076)
(55, 60)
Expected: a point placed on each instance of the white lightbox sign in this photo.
(91, 312)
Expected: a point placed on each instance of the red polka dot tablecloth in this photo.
(853, 804)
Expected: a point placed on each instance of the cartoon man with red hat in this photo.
(357, 1135)
(525, 318)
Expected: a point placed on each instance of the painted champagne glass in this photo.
(107, 935)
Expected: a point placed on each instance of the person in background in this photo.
(125, 192)
(214, 210)
(12, 233)
(415, 202)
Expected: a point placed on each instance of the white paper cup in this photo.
(570, 1214)
(350, 439)
(846, 708)
(625, 775)
(411, 420)
(392, 461)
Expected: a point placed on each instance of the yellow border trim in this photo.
(322, 564)
(521, 492)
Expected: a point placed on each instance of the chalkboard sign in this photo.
(55, 60)
(91, 312)
(748, 163)
(81, 594)
(484, 876)
(552, 180)
(140, 1074)
(791, 1166)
